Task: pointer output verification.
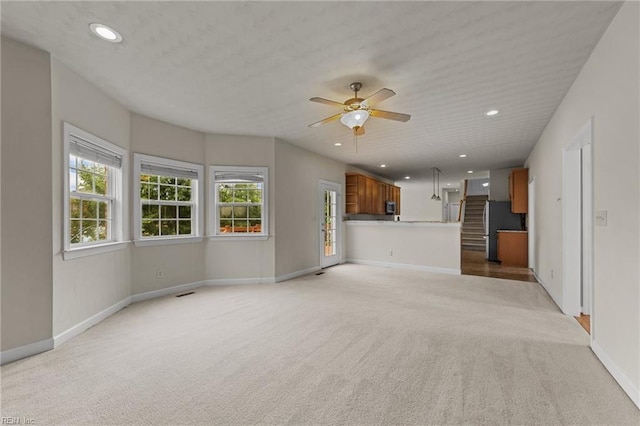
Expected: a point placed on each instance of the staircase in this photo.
(472, 224)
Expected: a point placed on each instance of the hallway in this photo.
(475, 263)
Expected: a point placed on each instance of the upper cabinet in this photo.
(365, 195)
(519, 190)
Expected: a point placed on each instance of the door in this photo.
(453, 212)
(330, 224)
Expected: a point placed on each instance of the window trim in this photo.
(117, 179)
(138, 240)
(213, 219)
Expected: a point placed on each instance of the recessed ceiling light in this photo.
(463, 155)
(469, 171)
(105, 32)
(448, 184)
(491, 113)
(383, 165)
(337, 144)
(485, 184)
(407, 177)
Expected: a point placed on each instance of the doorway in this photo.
(577, 225)
(330, 224)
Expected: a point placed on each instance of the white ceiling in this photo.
(250, 68)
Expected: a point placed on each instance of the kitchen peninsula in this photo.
(428, 246)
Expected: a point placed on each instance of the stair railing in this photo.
(463, 202)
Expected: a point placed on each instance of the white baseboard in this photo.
(617, 374)
(25, 351)
(450, 271)
(238, 281)
(165, 291)
(297, 274)
(89, 322)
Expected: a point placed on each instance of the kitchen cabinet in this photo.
(513, 248)
(365, 195)
(519, 190)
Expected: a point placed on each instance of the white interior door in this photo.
(330, 224)
(453, 212)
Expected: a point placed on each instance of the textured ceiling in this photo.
(250, 68)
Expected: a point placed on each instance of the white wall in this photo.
(179, 263)
(499, 184)
(474, 187)
(426, 246)
(242, 259)
(298, 173)
(416, 203)
(85, 286)
(26, 196)
(607, 89)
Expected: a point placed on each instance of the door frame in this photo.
(577, 223)
(531, 225)
(337, 188)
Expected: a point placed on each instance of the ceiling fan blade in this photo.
(327, 102)
(379, 96)
(360, 131)
(326, 120)
(390, 115)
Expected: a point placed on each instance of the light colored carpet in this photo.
(357, 345)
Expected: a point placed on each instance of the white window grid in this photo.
(113, 196)
(215, 203)
(142, 161)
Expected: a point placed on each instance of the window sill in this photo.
(261, 237)
(166, 241)
(92, 250)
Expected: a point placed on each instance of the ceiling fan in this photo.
(355, 111)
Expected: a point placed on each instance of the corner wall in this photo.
(607, 89)
(229, 261)
(27, 299)
(84, 286)
(298, 174)
(180, 263)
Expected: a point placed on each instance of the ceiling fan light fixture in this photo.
(355, 119)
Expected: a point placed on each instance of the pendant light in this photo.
(438, 197)
(433, 181)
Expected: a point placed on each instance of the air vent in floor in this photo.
(186, 294)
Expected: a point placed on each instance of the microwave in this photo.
(390, 207)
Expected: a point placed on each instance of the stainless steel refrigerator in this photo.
(498, 216)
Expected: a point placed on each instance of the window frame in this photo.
(213, 224)
(116, 178)
(198, 204)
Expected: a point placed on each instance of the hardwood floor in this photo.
(475, 263)
(585, 322)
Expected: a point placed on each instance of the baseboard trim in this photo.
(35, 348)
(425, 268)
(297, 274)
(627, 386)
(239, 281)
(165, 291)
(77, 329)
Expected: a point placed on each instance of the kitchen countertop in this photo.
(508, 230)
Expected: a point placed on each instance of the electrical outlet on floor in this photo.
(159, 274)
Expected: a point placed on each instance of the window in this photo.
(239, 201)
(93, 190)
(168, 198)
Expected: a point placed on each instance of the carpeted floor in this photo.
(357, 345)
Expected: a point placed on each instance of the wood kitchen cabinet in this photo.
(519, 190)
(513, 248)
(365, 195)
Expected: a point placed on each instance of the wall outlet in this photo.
(552, 273)
(159, 274)
(390, 252)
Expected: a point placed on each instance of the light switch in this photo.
(601, 218)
